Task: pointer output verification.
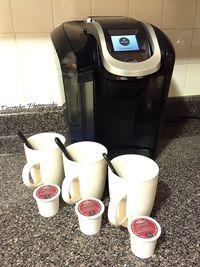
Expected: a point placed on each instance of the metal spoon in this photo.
(62, 148)
(109, 164)
(24, 139)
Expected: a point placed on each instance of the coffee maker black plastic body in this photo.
(116, 74)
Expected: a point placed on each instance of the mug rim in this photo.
(53, 147)
(85, 143)
(138, 156)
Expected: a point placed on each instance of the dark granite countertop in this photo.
(27, 239)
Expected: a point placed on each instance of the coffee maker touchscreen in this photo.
(124, 43)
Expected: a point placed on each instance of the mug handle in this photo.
(113, 211)
(26, 175)
(66, 186)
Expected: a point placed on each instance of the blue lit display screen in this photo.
(124, 43)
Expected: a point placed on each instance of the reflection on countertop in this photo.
(27, 239)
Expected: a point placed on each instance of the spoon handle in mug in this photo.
(62, 148)
(24, 139)
(109, 164)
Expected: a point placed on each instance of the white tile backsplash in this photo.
(110, 8)
(43, 87)
(66, 10)
(63, 10)
(8, 54)
(192, 86)
(11, 90)
(32, 16)
(195, 48)
(29, 64)
(179, 14)
(146, 11)
(181, 40)
(197, 17)
(177, 86)
(36, 53)
(83, 8)
(6, 24)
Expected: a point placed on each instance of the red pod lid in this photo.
(144, 228)
(46, 191)
(89, 207)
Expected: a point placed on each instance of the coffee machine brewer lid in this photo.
(124, 40)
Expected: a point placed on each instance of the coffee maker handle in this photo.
(68, 195)
(116, 214)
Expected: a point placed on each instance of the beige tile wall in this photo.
(30, 71)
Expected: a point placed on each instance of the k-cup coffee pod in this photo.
(144, 232)
(89, 212)
(47, 198)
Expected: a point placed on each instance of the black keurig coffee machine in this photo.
(116, 74)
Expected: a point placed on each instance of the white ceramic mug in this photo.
(44, 162)
(132, 192)
(86, 175)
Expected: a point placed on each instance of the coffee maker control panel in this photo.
(128, 45)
